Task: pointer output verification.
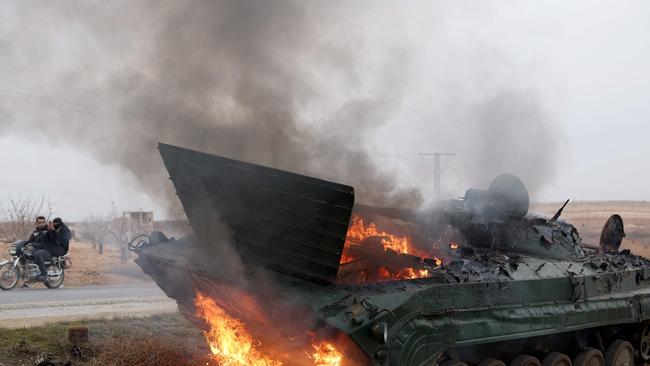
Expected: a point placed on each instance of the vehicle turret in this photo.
(497, 218)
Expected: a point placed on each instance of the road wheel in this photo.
(556, 359)
(619, 353)
(644, 344)
(525, 360)
(54, 281)
(9, 276)
(491, 362)
(590, 357)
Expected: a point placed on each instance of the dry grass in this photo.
(89, 268)
(589, 218)
(159, 340)
(128, 351)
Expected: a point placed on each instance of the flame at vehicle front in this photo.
(228, 338)
(231, 343)
(326, 354)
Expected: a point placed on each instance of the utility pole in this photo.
(436, 168)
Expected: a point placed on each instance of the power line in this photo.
(57, 104)
(436, 168)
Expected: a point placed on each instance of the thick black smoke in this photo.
(274, 82)
(230, 78)
(280, 83)
(226, 77)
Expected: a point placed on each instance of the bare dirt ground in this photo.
(589, 218)
(89, 268)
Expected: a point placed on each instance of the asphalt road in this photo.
(31, 307)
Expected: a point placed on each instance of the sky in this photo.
(590, 61)
(582, 64)
(87, 188)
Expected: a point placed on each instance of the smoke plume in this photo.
(298, 85)
(227, 77)
(328, 89)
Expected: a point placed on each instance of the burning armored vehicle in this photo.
(287, 269)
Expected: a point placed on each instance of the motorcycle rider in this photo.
(56, 244)
(39, 235)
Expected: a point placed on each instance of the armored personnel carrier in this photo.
(477, 281)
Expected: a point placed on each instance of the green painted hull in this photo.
(425, 318)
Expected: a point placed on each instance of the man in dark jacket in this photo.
(39, 235)
(56, 244)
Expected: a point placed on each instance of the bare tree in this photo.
(94, 228)
(111, 227)
(17, 216)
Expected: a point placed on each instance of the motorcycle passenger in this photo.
(39, 235)
(61, 235)
(56, 244)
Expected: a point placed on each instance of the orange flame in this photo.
(420, 273)
(406, 274)
(232, 345)
(229, 341)
(325, 354)
(453, 245)
(358, 232)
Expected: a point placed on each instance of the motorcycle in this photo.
(23, 267)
